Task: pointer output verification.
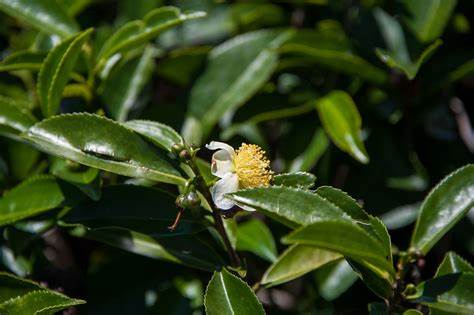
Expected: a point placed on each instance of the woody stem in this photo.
(216, 214)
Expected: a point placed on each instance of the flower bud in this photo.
(191, 200)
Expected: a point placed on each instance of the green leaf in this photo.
(139, 32)
(141, 209)
(453, 263)
(311, 155)
(254, 236)
(348, 239)
(85, 179)
(22, 60)
(373, 279)
(43, 194)
(445, 205)
(296, 261)
(23, 157)
(291, 206)
(228, 295)
(334, 279)
(428, 18)
(249, 60)
(102, 143)
(333, 52)
(124, 84)
(159, 134)
(341, 120)
(45, 15)
(190, 250)
(398, 56)
(298, 180)
(20, 296)
(56, 69)
(449, 293)
(412, 312)
(14, 119)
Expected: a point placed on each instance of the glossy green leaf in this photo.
(25, 297)
(22, 60)
(43, 194)
(249, 60)
(342, 122)
(333, 52)
(428, 18)
(228, 295)
(449, 293)
(445, 205)
(56, 69)
(297, 180)
(334, 279)
(346, 238)
(373, 278)
(141, 209)
(84, 178)
(45, 15)
(14, 119)
(124, 84)
(159, 134)
(312, 154)
(190, 250)
(397, 55)
(288, 205)
(254, 236)
(296, 261)
(139, 32)
(453, 263)
(102, 143)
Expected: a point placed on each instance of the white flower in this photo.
(245, 168)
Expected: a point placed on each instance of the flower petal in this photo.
(222, 160)
(229, 183)
(216, 145)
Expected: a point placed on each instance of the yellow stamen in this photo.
(252, 167)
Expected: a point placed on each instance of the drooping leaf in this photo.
(298, 180)
(43, 194)
(194, 251)
(160, 134)
(445, 205)
(14, 119)
(449, 293)
(249, 60)
(311, 155)
(102, 143)
(296, 261)
(334, 279)
(453, 263)
(84, 178)
(55, 71)
(346, 238)
(254, 236)
(22, 60)
(341, 120)
(428, 18)
(123, 85)
(397, 55)
(45, 15)
(228, 295)
(333, 52)
(20, 296)
(139, 32)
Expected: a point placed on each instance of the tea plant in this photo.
(190, 157)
